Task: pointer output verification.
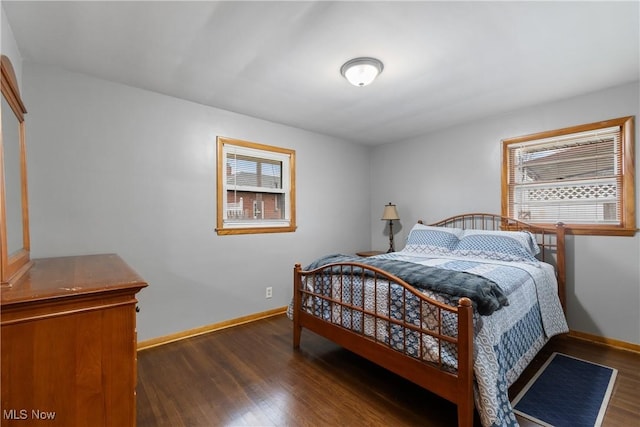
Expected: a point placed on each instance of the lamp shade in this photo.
(390, 212)
(361, 71)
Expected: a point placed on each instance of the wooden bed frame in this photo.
(456, 386)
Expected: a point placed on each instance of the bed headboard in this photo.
(550, 239)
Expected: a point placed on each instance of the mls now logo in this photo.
(23, 414)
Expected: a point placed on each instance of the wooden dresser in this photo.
(68, 336)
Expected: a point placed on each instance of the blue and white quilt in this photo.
(504, 342)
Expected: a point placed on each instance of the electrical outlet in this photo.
(269, 292)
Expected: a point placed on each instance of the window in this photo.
(582, 176)
(256, 188)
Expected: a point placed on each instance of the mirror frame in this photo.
(14, 265)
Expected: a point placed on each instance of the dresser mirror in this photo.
(14, 212)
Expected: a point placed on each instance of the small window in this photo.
(582, 176)
(255, 188)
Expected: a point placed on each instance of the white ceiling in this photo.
(445, 62)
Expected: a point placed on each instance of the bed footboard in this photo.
(383, 319)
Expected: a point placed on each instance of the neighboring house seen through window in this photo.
(582, 176)
(255, 188)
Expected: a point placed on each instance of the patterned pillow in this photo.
(425, 239)
(494, 247)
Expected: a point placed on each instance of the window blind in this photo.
(256, 173)
(573, 178)
(256, 189)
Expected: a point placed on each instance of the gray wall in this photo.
(118, 169)
(9, 46)
(458, 170)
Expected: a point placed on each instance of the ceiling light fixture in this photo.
(361, 71)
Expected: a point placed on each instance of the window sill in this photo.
(254, 230)
(600, 231)
(593, 230)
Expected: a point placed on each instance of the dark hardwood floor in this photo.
(249, 375)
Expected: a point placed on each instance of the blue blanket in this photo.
(485, 294)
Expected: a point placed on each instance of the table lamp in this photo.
(390, 214)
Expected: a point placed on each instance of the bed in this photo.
(461, 310)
